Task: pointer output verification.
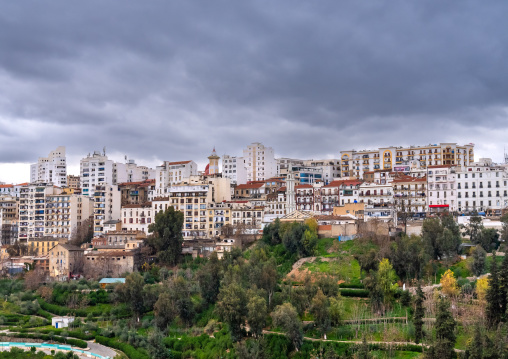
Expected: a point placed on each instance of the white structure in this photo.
(136, 217)
(482, 186)
(171, 173)
(402, 159)
(11, 189)
(330, 168)
(290, 193)
(32, 210)
(107, 206)
(98, 169)
(234, 168)
(95, 169)
(442, 188)
(258, 163)
(376, 194)
(61, 322)
(51, 169)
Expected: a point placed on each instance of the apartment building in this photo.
(377, 195)
(9, 213)
(51, 169)
(258, 164)
(329, 168)
(11, 190)
(482, 186)
(410, 194)
(64, 261)
(42, 246)
(355, 163)
(66, 212)
(32, 210)
(107, 206)
(137, 192)
(73, 181)
(136, 217)
(219, 215)
(97, 169)
(442, 188)
(172, 173)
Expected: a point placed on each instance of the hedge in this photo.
(59, 310)
(74, 342)
(129, 350)
(352, 285)
(43, 313)
(362, 293)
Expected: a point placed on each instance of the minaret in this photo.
(290, 192)
(213, 166)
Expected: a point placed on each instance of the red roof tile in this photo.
(178, 163)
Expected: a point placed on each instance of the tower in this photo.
(290, 192)
(213, 165)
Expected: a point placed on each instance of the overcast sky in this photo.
(168, 80)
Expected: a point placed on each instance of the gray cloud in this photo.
(165, 80)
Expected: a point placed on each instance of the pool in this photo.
(4, 345)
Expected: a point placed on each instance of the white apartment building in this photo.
(97, 169)
(107, 206)
(171, 173)
(442, 188)
(376, 194)
(11, 189)
(32, 210)
(258, 162)
(482, 186)
(330, 168)
(234, 168)
(51, 169)
(356, 163)
(66, 212)
(137, 217)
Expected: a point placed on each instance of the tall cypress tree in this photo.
(419, 313)
(493, 310)
(503, 283)
(443, 347)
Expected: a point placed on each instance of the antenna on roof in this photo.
(505, 156)
(104, 151)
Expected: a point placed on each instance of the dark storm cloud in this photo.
(165, 80)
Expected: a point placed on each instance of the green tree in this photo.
(503, 284)
(320, 310)
(432, 230)
(232, 308)
(164, 310)
(156, 346)
(286, 317)
(419, 314)
(408, 256)
(209, 277)
(474, 229)
(493, 309)
(167, 237)
(443, 346)
(475, 349)
(132, 292)
(256, 313)
(337, 310)
(387, 281)
(504, 231)
(479, 257)
(489, 239)
(363, 350)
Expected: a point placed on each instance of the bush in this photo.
(129, 350)
(361, 293)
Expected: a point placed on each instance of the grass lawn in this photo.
(346, 269)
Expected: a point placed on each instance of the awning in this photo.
(439, 205)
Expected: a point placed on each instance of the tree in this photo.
(232, 307)
(482, 286)
(419, 314)
(503, 283)
(448, 283)
(408, 256)
(209, 277)
(132, 292)
(403, 214)
(504, 231)
(363, 351)
(431, 232)
(445, 339)
(474, 229)
(256, 313)
(286, 317)
(156, 346)
(493, 309)
(320, 309)
(387, 281)
(251, 349)
(164, 310)
(167, 237)
(489, 239)
(479, 257)
(475, 349)
(337, 310)
(82, 233)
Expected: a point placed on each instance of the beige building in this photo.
(107, 206)
(73, 181)
(136, 217)
(65, 260)
(219, 215)
(42, 246)
(354, 209)
(110, 263)
(410, 194)
(64, 213)
(8, 219)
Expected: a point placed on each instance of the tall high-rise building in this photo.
(51, 169)
(258, 163)
(171, 173)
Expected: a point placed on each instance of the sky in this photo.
(169, 80)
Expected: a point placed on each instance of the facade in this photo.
(42, 246)
(64, 261)
(172, 173)
(107, 206)
(110, 263)
(355, 163)
(482, 186)
(410, 194)
(377, 195)
(136, 217)
(213, 164)
(94, 170)
(219, 215)
(234, 168)
(8, 219)
(51, 169)
(329, 168)
(257, 163)
(11, 190)
(73, 182)
(64, 213)
(136, 192)
(442, 188)
(131, 172)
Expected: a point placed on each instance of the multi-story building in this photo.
(253, 190)
(377, 195)
(172, 173)
(329, 169)
(355, 163)
(258, 164)
(136, 217)
(65, 213)
(410, 194)
(32, 210)
(51, 169)
(64, 261)
(305, 197)
(482, 186)
(97, 169)
(136, 192)
(42, 246)
(219, 215)
(442, 188)
(8, 219)
(107, 206)
(11, 189)
(247, 215)
(73, 181)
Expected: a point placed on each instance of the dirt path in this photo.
(296, 272)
